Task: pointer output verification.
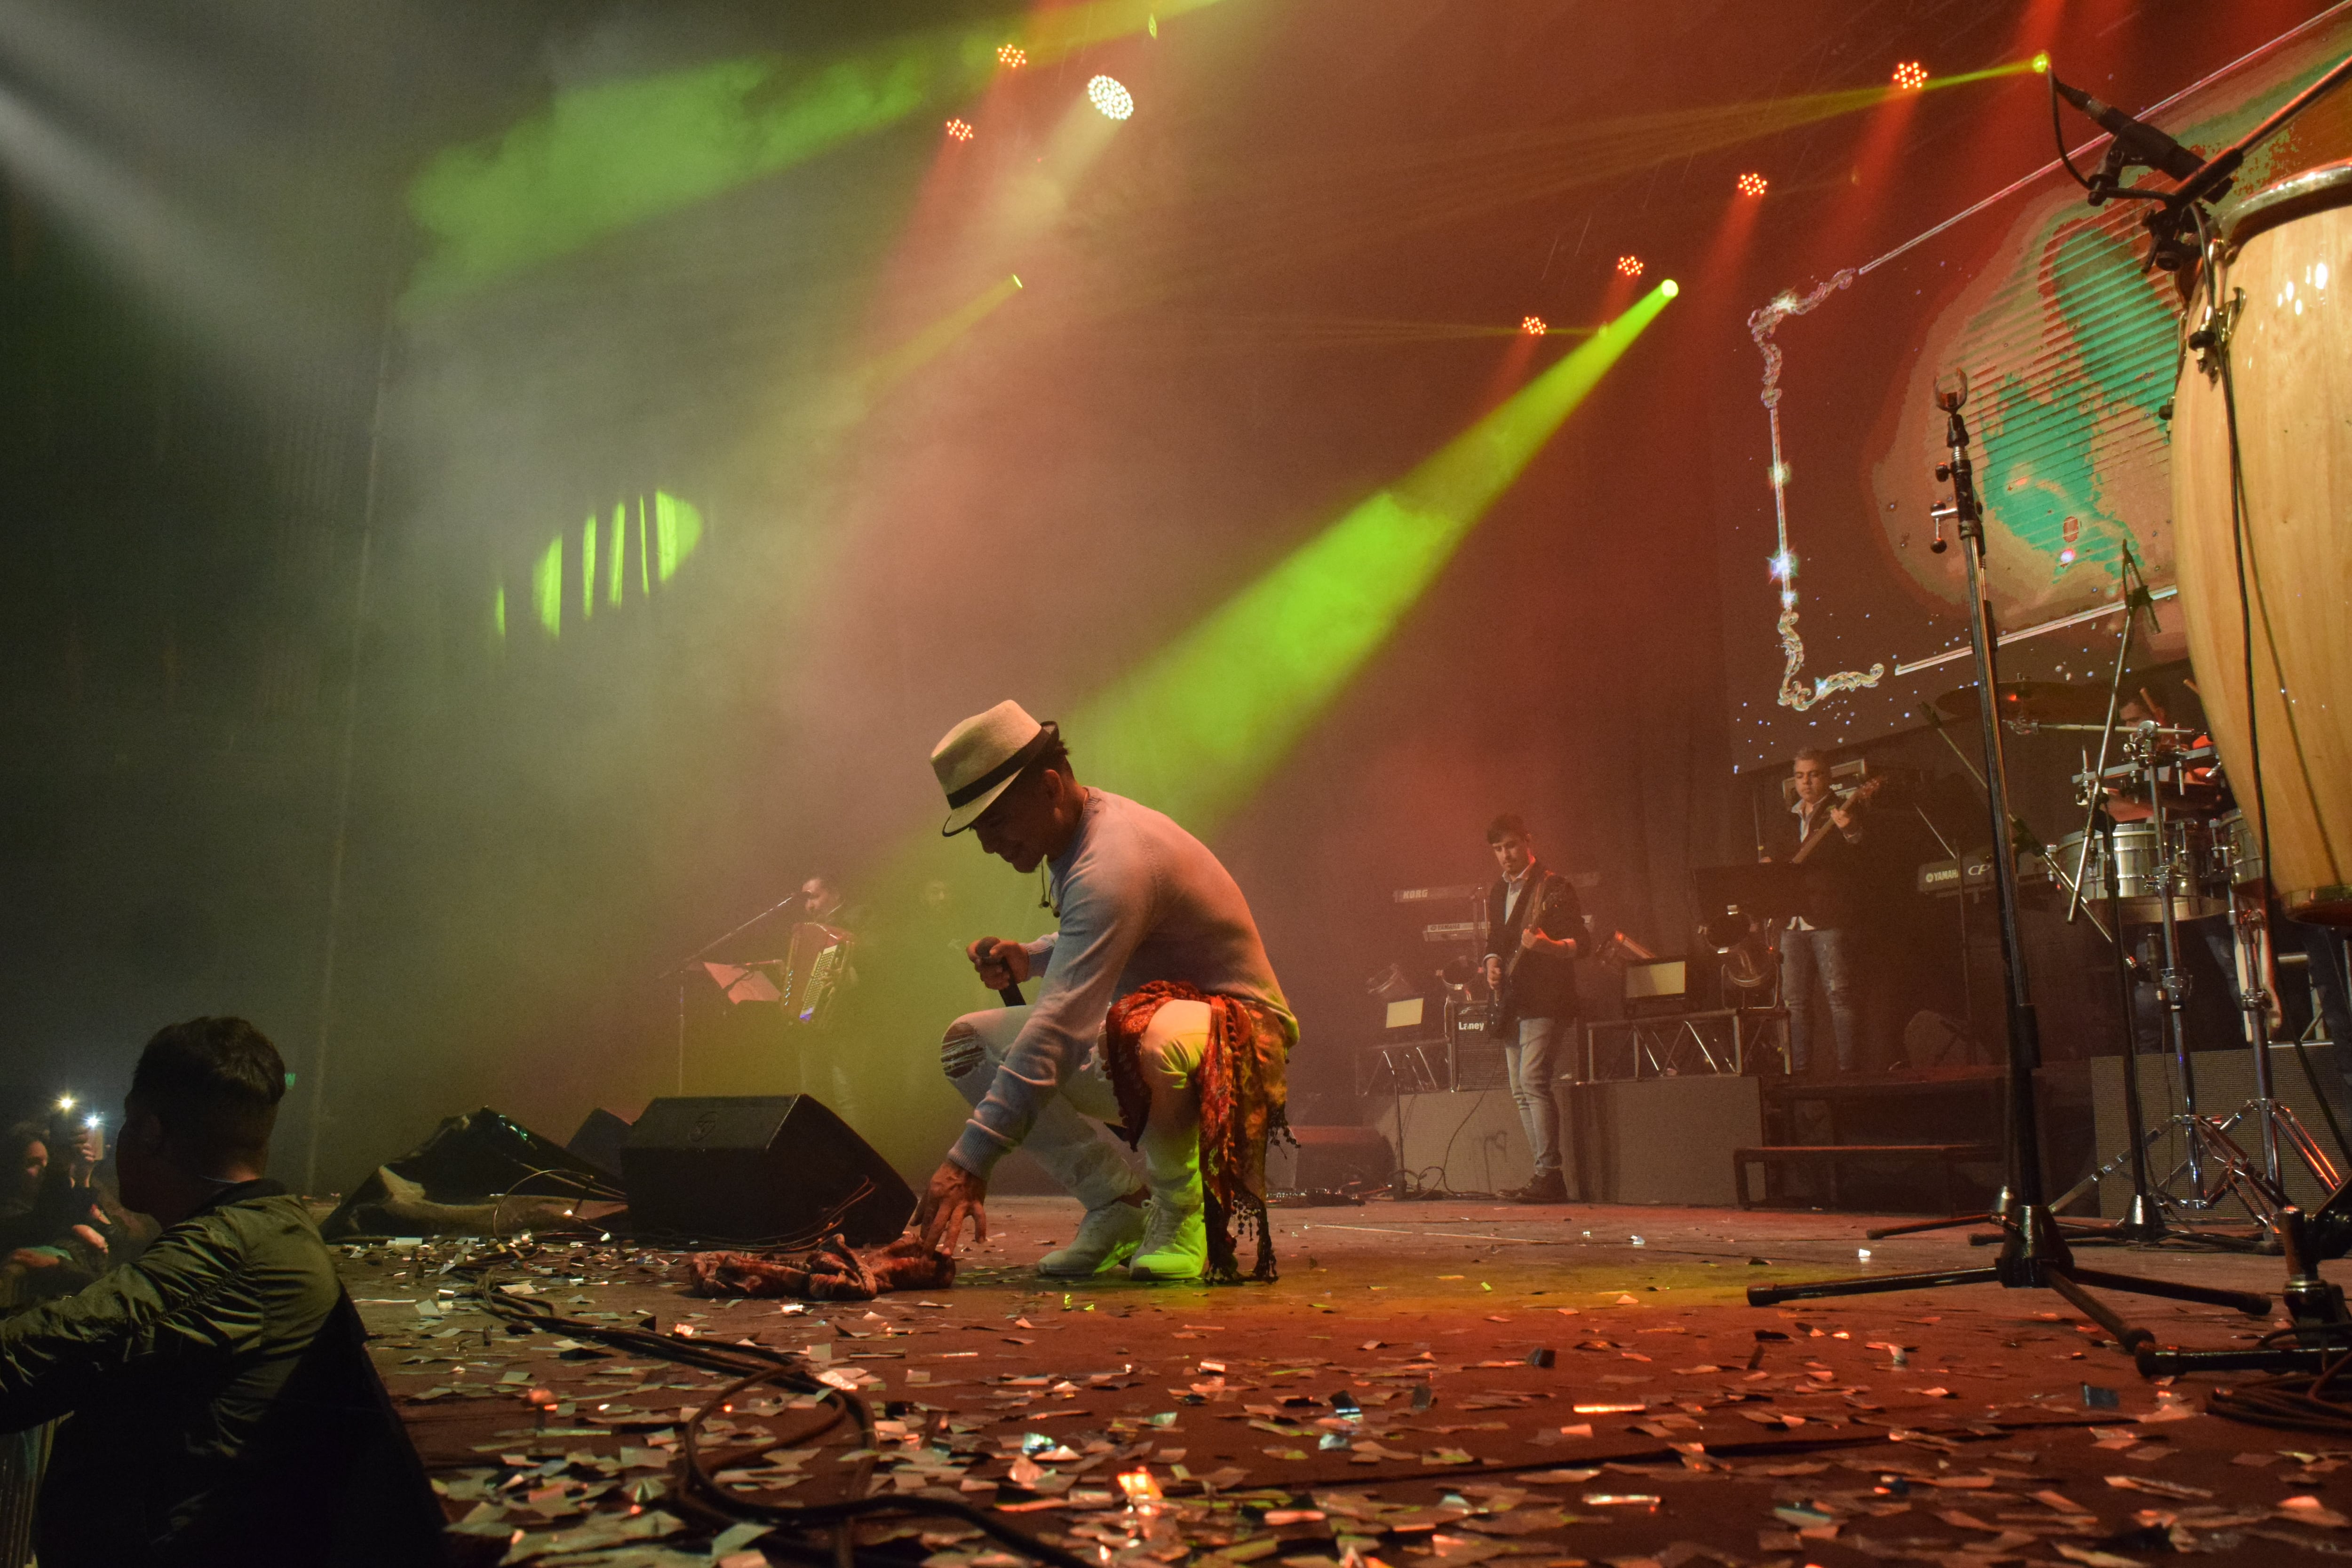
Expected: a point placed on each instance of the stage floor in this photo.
(2009, 1429)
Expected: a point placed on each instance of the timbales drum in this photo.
(2237, 851)
(2284, 266)
(2141, 871)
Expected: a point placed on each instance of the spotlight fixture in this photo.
(1012, 56)
(1629, 267)
(1670, 288)
(1107, 94)
(1752, 184)
(1532, 325)
(1910, 76)
(959, 131)
(2041, 63)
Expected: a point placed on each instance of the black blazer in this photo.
(1544, 984)
(1832, 895)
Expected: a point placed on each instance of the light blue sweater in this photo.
(1141, 899)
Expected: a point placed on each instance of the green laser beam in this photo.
(1199, 726)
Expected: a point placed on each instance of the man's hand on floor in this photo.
(954, 1195)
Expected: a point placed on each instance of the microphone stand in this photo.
(685, 965)
(2034, 1253)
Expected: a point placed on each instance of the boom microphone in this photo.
(2143, 143)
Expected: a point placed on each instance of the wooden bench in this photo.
(1831, 1155)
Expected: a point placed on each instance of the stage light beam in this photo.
(1199, 726)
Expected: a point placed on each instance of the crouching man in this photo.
(1156, 1010)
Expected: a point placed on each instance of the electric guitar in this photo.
(1506, 1009)
(1860, 796)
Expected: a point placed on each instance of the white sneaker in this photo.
(1175, 1245)
(1104, 1239)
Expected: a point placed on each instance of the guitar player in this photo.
(1535, 933)
(1820, 941)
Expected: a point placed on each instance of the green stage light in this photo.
(1200, 725)
(677, 531)
(599, 158)
(547, 587)
(1670, 287)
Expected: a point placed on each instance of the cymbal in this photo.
(2051, 702)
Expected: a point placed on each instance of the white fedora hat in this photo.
(980, 757)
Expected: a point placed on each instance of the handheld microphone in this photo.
(2143, 143)
(1010, 995)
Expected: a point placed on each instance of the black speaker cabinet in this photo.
(1328, 1159)
(777, 1169)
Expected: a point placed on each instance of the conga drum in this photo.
(2285, 261)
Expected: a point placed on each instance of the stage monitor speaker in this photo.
(481, 1157)
(599, 1141)
(776, 1169)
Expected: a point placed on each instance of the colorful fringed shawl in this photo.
(1245, 1096)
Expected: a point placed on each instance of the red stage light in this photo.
(1012, 56)
(1629, 265)
(1533, 326)
(1752, 184)
(1910, 76)
(959, 130)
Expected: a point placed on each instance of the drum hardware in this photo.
(2034, 1252)
(2251, 942)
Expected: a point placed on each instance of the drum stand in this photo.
(2249, 930)
(2034, 1253)
(2214, 1167)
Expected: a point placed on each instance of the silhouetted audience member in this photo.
(25, 1149)
(218, 1406)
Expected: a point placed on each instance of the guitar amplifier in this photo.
(1473, 1048)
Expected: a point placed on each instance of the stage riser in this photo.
(1474, 1136)
(1661, 1140)
(2225, 1080)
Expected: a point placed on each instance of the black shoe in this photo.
(1550, 1189)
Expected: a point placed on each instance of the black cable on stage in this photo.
(702, 1493)
(2300, 1402)
(753, 1366)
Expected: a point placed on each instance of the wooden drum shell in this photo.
(2288, 251)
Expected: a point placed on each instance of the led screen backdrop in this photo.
(1840, 629)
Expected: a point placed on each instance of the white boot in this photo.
(1104, 1239)
(1175, 1244)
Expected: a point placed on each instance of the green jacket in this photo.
(212, 1388)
